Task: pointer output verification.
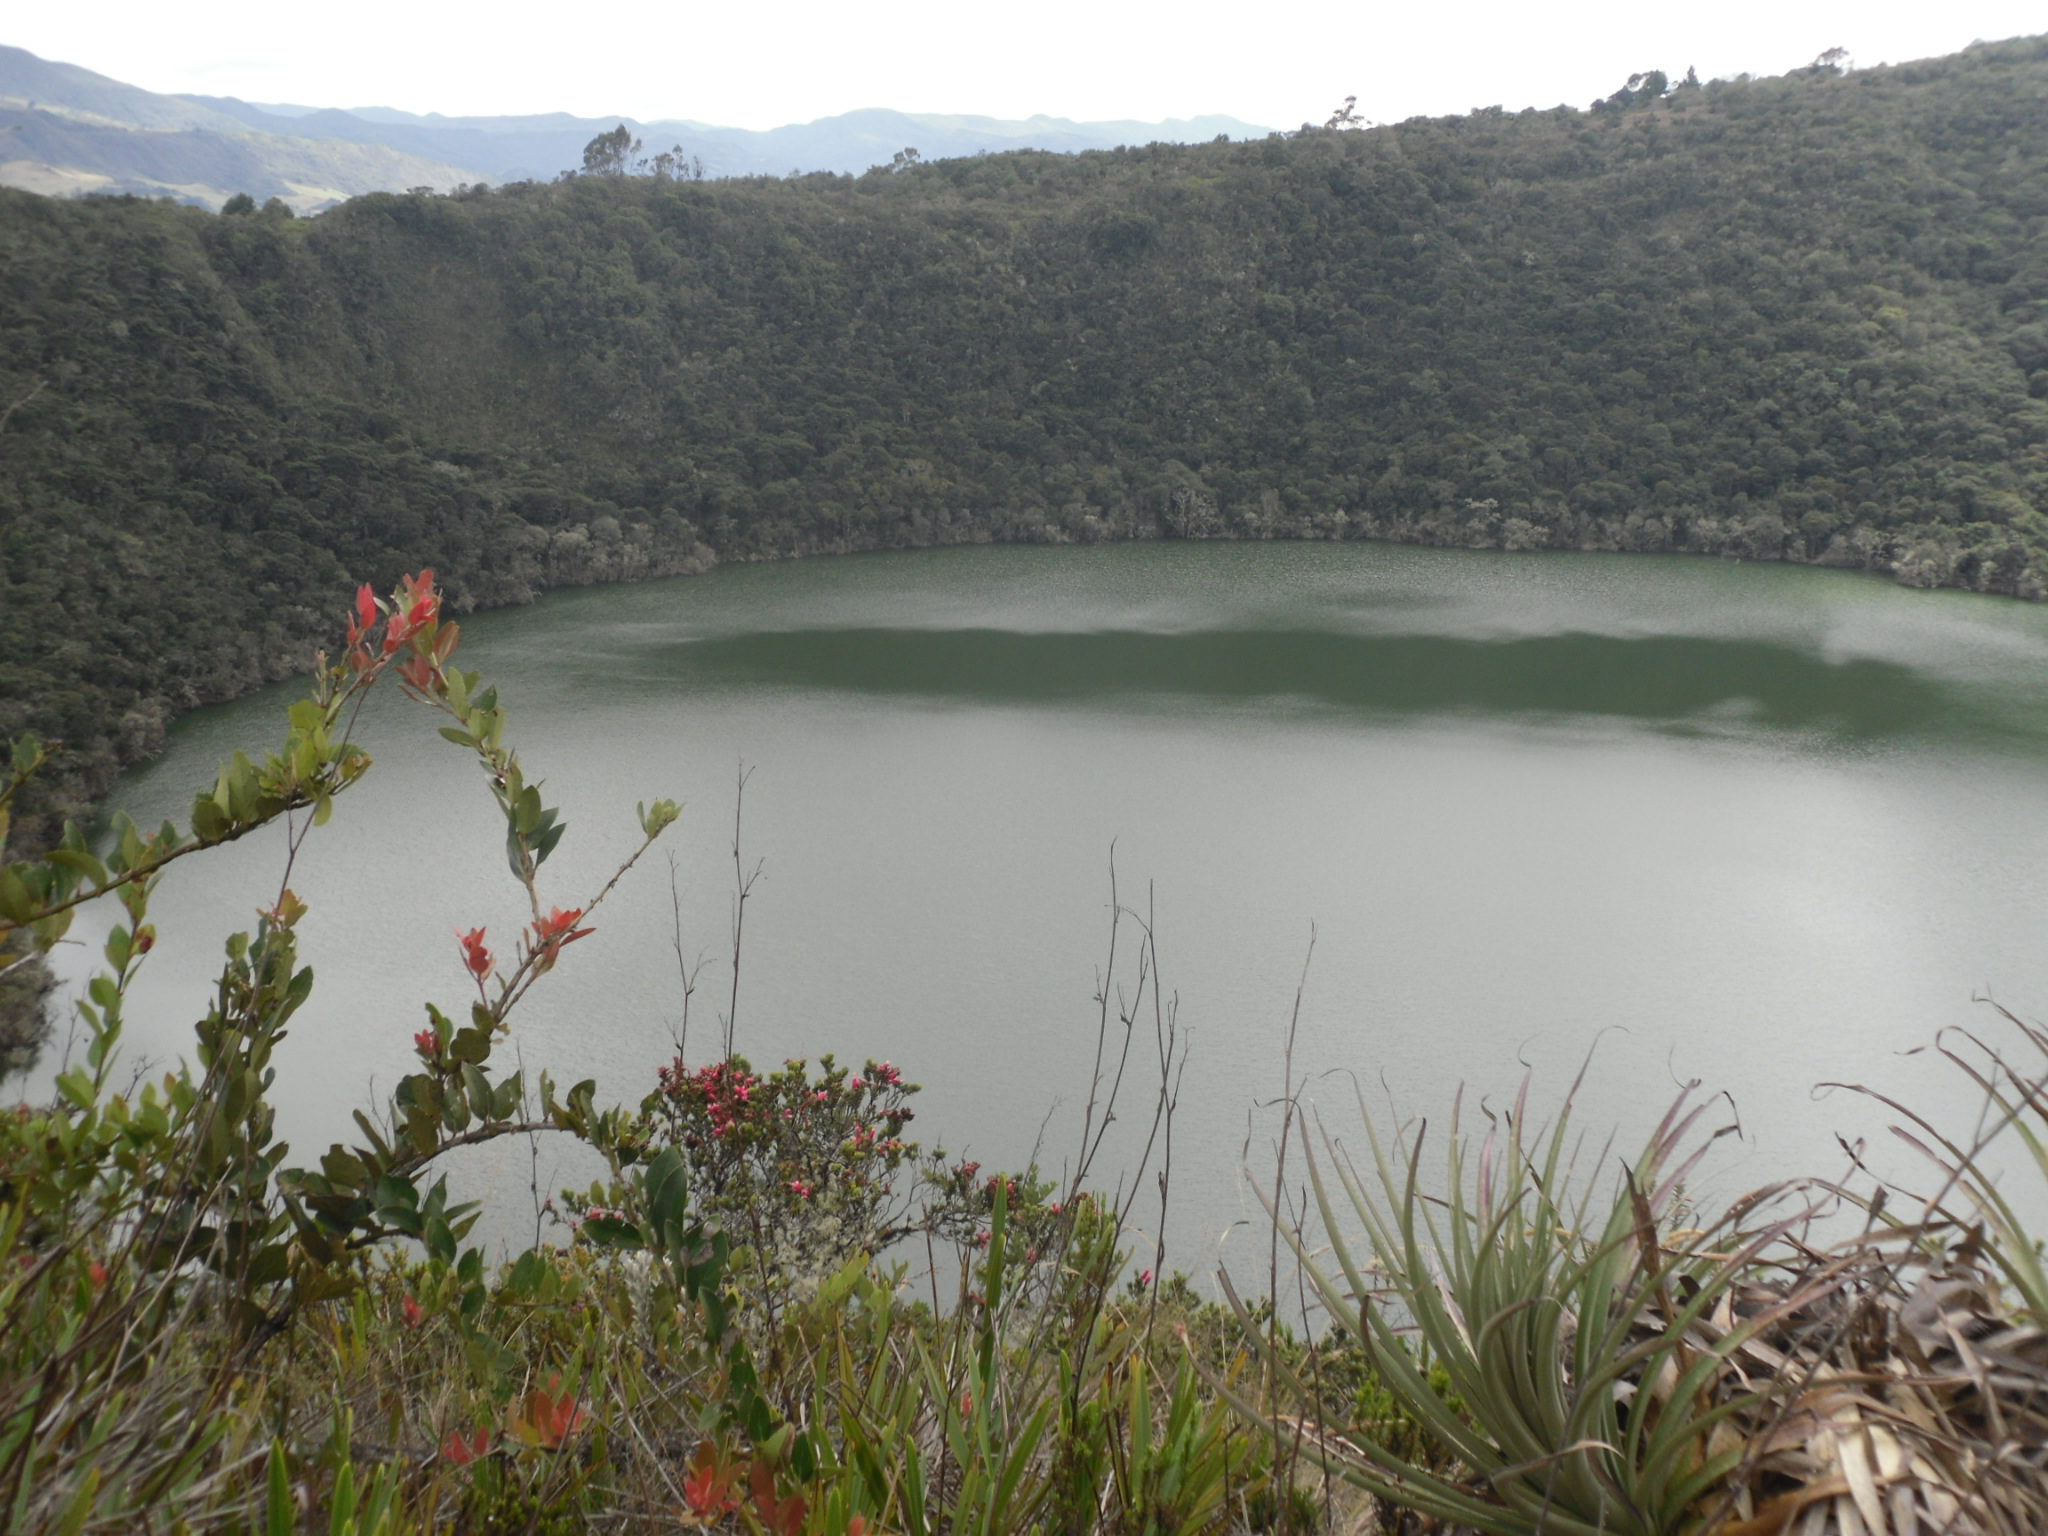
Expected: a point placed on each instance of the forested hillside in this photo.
(1803, 318)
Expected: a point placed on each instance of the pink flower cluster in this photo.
(722, 1091)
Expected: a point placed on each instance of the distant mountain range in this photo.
(65, 131)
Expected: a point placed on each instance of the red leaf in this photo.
(547, 1416)
(783, 1517)
(463, 1449)
(475, 958)
(708, 1489)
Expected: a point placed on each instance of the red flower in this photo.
(98, 1272)
(475, 958)
(415, 1314)
(428, 1044)
(463, 1449)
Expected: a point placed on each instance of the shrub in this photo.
(805, 1170)
(202, 1335)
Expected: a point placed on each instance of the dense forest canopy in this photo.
(1803, 318)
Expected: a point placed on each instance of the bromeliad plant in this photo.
(1545, 1355)
(1570, 1362)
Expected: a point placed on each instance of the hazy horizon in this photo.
(1085, 63)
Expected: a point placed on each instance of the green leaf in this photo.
(611, 1232)
(440, 1240)
(478, 1088)
(78, 1508)
(77, 1089)
(667, 1188)
(16, 905)
(545, 839)
(271, 1265)
(423, 1129)
(341, 1520)
(281, 1515)
(209, 821)
(524, 1280)
(84, 863)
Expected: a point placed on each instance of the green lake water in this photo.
(1752, 824)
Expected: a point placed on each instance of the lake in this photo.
(1758, 825)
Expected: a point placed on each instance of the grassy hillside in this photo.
(1803, 319)
(65, 130)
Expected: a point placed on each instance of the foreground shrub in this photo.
(807, 1169)
(202, 1335)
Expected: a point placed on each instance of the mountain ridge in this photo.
(539, 146)
(65, 130)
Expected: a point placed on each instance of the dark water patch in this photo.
(1649, 679)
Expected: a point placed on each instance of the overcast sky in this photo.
(757, 66)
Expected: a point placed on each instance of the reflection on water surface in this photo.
(1764, 826)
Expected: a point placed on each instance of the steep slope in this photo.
(28, 83)
(1800, 319)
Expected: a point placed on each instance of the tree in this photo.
(610, 154)
(1643, 87)
(905, 158)
(240, 203)
(672, 164)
